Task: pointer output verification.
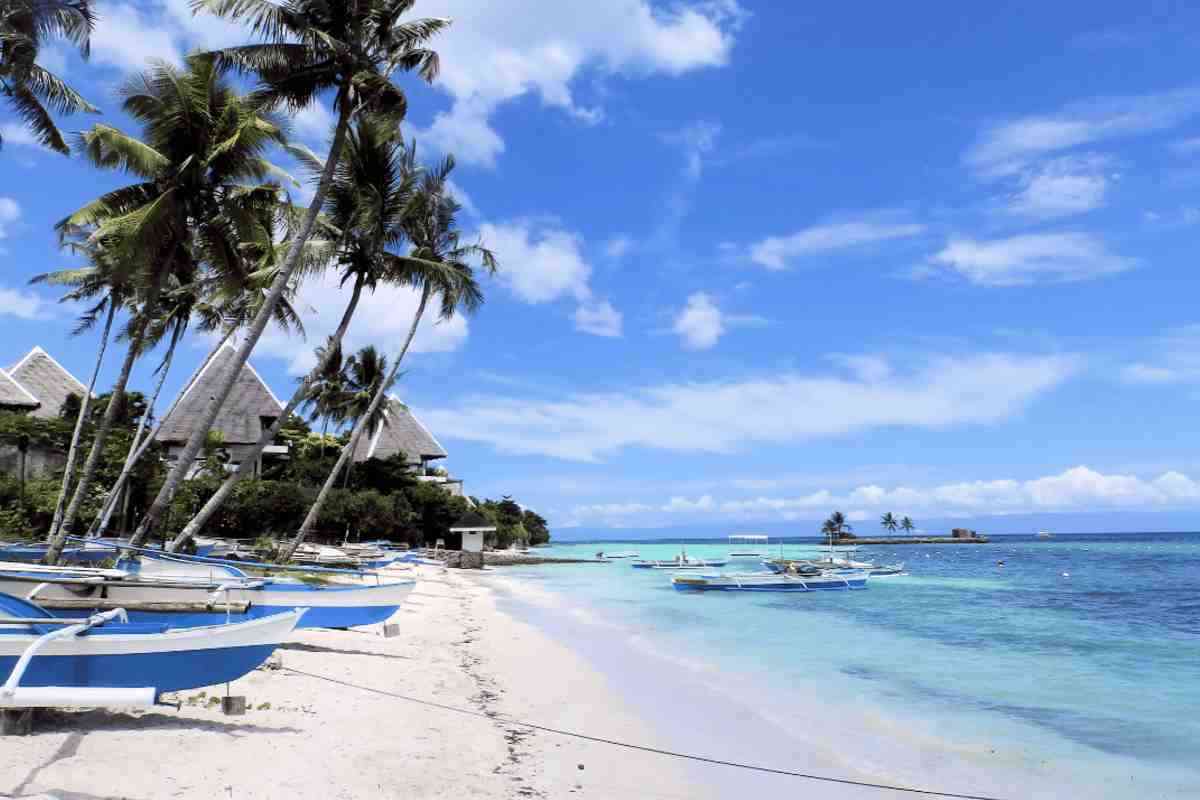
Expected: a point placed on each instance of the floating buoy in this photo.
(1000, 563)
(1066, 574)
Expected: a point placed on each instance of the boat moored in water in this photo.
(770, 582)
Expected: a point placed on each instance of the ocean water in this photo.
(1072, 670)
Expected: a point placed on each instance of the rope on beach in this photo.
(497, 717)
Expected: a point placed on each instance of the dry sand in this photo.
(305, 737)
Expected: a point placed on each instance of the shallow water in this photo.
(1073, 666)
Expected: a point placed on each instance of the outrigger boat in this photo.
(625, 554)
(748, 545)
(681, 561)
(89, 552)
(770, 582)
(103, 660)
(182, 593)
(779, 565)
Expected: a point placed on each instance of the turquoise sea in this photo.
(1072, 670)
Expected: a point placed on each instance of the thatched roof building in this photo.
(251, 408)
(41, 379)
(401, 432)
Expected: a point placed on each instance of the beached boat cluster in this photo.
(155, 622)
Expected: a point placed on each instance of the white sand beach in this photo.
(305, 737)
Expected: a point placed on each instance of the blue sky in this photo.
(760, 262)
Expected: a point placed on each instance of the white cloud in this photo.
(10, 212)
(777, 252)
(22, 304)
(1175, 359)
(382, 319)
(599, 319)
(314, 122)
(126, 36)
(728, 416)
(15, 134)
(541, 263)
(700, 324)
(1062, 187)
(495, 53)
(538, 263)
(1076, 489)
(1008, 147)
(1031, 258)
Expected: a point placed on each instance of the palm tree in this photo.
(325, 392)
(906, 525)
(201, 140)
(30, 88)
(836, 526)
(103, 284)
(438, 265)
(366, 374)
(310, 47)
(368, 204)
(889, 523)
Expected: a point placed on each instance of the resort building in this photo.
(39, 386)
(402, 432)
(251, 409)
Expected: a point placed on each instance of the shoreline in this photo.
(307, 737)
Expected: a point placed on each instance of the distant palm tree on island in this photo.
(836, 527)
(889, 522)
(907, 526)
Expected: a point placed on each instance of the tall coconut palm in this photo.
(438, 264)
(366, 374)
(369, 204)
(310, 47)
(201, 141)
(25, 25)
(103, 284)
(836, 525)
(906, 525)
(889, 522)
(325, 392)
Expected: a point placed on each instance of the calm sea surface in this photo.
(1073, 669)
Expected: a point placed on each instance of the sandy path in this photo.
(306, 737)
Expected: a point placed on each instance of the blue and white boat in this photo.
(780, 565)
(681, 561)
(189, 594)
(103, 660)
(770, 582)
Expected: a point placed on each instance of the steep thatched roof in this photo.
(401, 432)
(240, 418)
(473, 521)
(47, 380)
(13, 394)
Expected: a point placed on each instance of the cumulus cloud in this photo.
(729, 416)
(541, 263)
(1076, 489)
(382, 319)
(780, 252)
(496, 53)
(127, 36)
(598, 319)
(22, 304)
(618, 246)
(1030, 258)
(700, 324)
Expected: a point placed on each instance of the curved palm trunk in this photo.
(310, 520)
(54, 551)
(85, 404)
(278, 286)
(197, 523)
(136, 447)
